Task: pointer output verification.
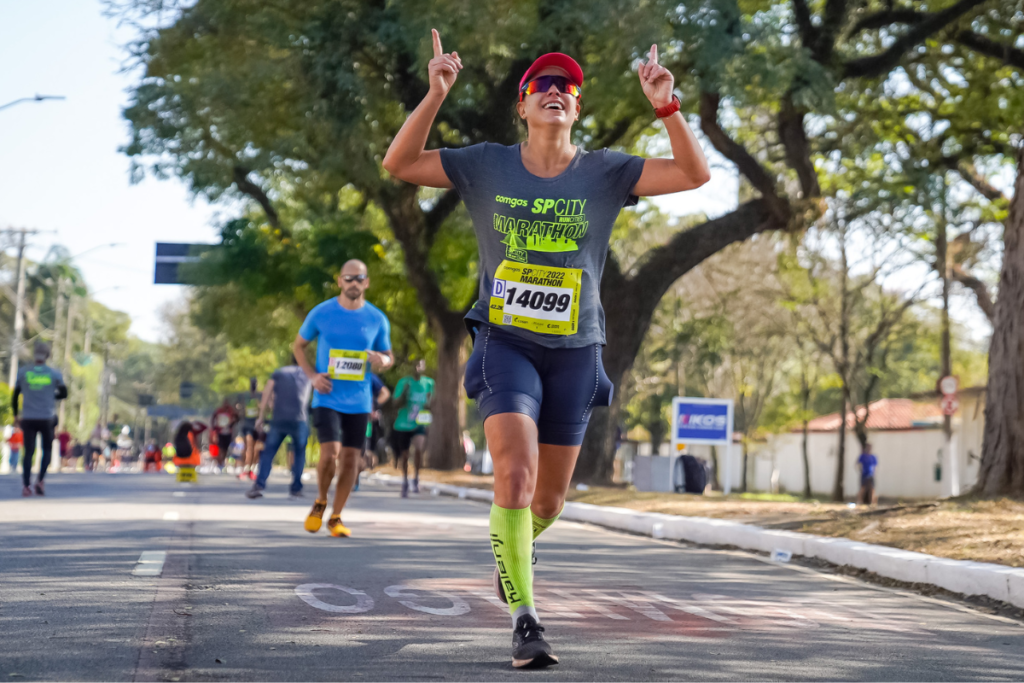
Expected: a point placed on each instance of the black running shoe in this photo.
(254, 492)
(529, 649)
(499, 589)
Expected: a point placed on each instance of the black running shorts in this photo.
(401, 441)
(558, 388)
(331, 425)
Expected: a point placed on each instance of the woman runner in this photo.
(543, 212)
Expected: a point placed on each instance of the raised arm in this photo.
(406, 159)
(688, 169)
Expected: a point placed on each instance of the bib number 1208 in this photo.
(347, 365)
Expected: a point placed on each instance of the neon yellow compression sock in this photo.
(511, 541)
(540, 525)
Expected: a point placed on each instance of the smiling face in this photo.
(551, 108)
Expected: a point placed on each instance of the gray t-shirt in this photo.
(38, 384)
(543, 241)
(291, 394)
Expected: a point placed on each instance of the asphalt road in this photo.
(244, 593)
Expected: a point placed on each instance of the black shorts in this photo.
(224, 443)
(250, 430)
(558, 388)
(401, 441)
(331, 425)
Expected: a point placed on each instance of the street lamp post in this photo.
(37, 98)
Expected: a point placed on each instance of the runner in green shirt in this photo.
(413, 396)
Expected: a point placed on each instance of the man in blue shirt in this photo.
(351, 335)
(288, 389)
(867, 463)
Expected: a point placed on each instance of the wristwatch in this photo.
(669, 109)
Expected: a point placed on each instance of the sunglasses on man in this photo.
(354, 278)
(544, 83)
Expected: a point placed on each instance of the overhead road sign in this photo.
(173, 412)
(170, 255)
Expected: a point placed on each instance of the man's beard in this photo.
(353, 293)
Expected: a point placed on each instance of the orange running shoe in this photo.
(316, 516)
(337, 528)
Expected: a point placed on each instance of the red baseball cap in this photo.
(564, 62)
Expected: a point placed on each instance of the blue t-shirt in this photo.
(868, 463)
(341, 330)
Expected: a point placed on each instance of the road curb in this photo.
(996, 581)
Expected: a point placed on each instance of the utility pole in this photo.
(19, 305)
(66, 365)
(87, 350)
(59, 309)
(105, 386)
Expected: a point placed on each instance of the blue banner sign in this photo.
(701, 421)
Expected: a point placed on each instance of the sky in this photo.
(62, 173)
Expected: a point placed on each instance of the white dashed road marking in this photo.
(151, 563)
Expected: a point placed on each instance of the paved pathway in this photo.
(243, 593)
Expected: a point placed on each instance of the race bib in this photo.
(347, 365)
(536, 298)
(252, 411)
(424, 418)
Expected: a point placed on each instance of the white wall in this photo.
(906, 463)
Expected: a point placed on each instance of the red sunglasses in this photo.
(544, 83)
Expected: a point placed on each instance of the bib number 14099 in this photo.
(536, 298)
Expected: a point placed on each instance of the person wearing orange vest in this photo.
(186, 445)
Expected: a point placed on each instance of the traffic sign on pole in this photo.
(948, 385)
(949, 405)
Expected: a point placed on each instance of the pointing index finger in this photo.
(654, 54)
(437, 42)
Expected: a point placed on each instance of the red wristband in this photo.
(669, 109)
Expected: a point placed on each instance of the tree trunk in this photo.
(598, 441)
(415, 229)
(715, 483)
(805, 403)
(444, 448)
(746, 465)
(807, 464)
(861, 430)
(1002, 451)
(837, 488)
